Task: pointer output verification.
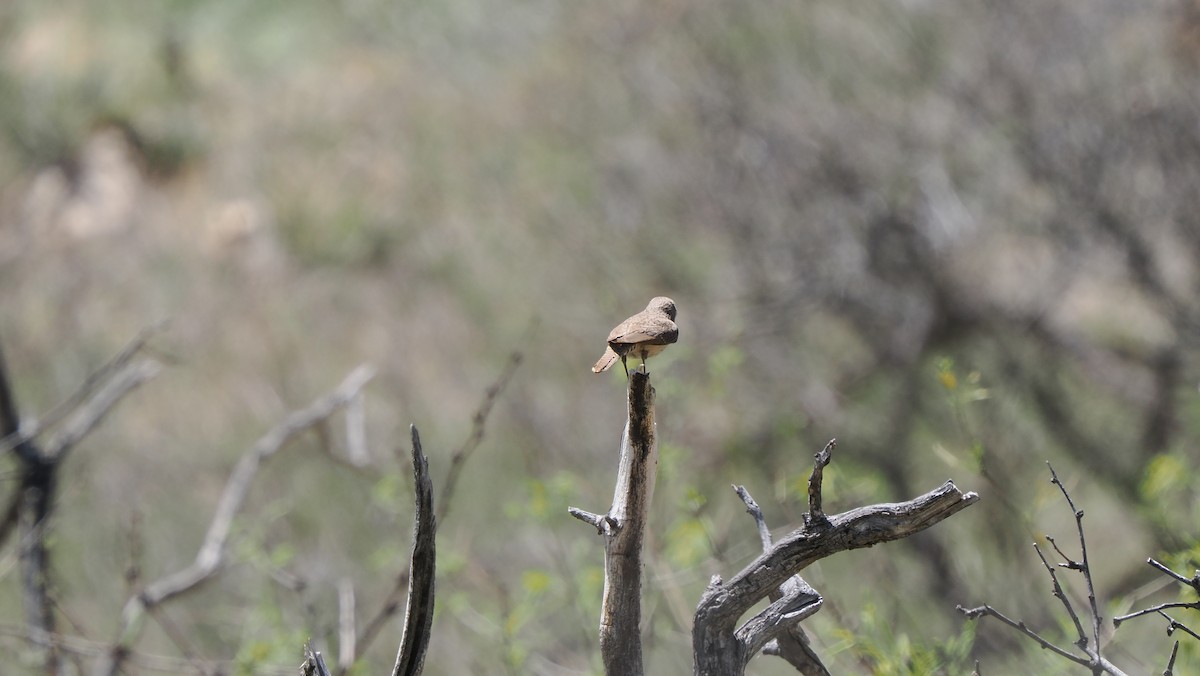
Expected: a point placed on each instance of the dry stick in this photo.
(346, 629)
(391, 603)
(12, 437)
(83, 647)
(1171, 662)
(1176, 625)
(211, 556)
(464, 452)
(791, 643)
(1092, 658)
(719, 649)
(32, 503)
(1193, 582)
(624, 531)
(89, 414)
(418, 612)
(1082, 565)
(986, 610)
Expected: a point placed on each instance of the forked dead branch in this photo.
(1087, 648)
(720, 646)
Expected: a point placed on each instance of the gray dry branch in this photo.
(31, 505)
(212, 554)
(623, 528)
(721, 648)
(1089, 646)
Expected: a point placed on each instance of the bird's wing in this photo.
(658, 330)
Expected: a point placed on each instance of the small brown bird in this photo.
(643, 335)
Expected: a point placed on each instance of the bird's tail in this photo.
(610, 357)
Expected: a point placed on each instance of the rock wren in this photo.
(643, 335)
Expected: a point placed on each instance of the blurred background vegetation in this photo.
(960, 237)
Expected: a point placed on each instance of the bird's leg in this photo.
(644, 365)
(625, 366)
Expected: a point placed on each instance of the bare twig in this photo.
(1173, 625)
(982, 611)
(603, 523)
(12, 436)
(1170, 670)
(391, 604)
(346, 625)
(460, 456)
(31, 506)
(1193, 582)
(161, 663)
(1083, 565)
(1089, 646)
(89, 414)
(624, 529)
(418, 613)
(211, 556)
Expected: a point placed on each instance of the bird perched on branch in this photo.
(643, 335)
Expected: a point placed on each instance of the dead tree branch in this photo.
(796, 594)
(1091, 656)
(1193, 582)
(418, 614)
(31, 505)
(623, 529)
(211, 556)
(720, 648)
(314, 662)
(460, 456)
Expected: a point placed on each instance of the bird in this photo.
(643, 335)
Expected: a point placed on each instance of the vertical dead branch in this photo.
(418, 614)
(314, 663)
(624, 531)
(391, 604)
(346, 626)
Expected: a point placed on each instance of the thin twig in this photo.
(1061, 595)
(162, 663)
(211, 556)
(1193, 605)
(391, 603)
(981, 611)
(460, 456)
(88, 415)
(1085, 567)
(1170, 670)
(90, 384)
(346, 625)
(1178, 625)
